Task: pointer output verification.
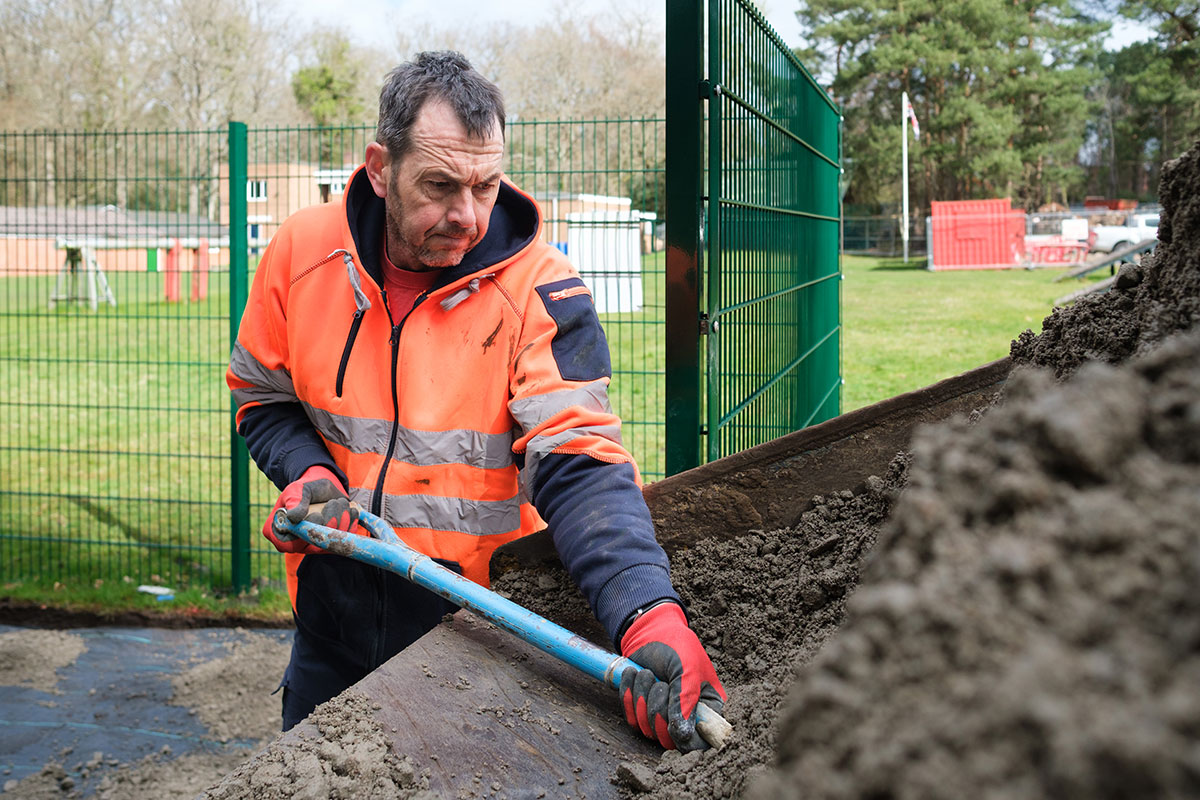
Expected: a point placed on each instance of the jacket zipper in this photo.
(354, 326)
(394, 340)
(361, 305)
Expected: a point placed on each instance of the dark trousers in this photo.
(350, 618)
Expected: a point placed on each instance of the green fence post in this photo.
(715, 379)
(685, 46)
(239, 457)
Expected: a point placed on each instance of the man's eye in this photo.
(440, 185)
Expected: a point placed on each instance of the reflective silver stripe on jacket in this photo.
(269, 385)
(419, 448)
(529, 412)
(541, 446)
(472, 517)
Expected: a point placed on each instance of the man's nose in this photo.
(462, 209)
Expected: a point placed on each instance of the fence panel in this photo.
(113, 344)
(769, 306)
(120, 297)
(773, 294)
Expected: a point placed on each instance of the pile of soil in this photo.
(33, 658)
(1028, 622)
(350, 758)
(762, 604)
(227, 694)
(1025, 625)
(1151, 301)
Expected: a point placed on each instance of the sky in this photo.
(375, 21)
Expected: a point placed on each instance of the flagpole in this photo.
(904, 187)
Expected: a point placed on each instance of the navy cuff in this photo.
(628, 591)
(294, 463)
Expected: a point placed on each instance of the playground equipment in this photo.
(81, 278)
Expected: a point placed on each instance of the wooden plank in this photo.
(740, 492)
(1101, 286)
(489, 715)
(1120, 257)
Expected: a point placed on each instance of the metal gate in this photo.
(753, 266)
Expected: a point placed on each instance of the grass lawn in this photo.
(906, 327)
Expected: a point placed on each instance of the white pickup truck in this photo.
(1107, 238)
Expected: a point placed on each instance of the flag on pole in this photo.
(912, 116)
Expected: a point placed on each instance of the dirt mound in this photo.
(762, 604)
(1152, 301)
(351, 757)
(33, 658)
(231, 694)
(1037, 512)
(1027, 625)
(226, 693)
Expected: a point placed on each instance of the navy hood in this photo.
(511, 228)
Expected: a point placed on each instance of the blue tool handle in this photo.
(385, 550)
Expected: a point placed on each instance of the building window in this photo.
(256, 191)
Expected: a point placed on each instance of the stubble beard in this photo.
(410, 256)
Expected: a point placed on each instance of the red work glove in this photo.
(316, 485)
(660, 699)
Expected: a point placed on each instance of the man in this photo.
(423, 353)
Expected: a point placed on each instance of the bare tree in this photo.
(222, 59)
(570, 65)
(73, 63)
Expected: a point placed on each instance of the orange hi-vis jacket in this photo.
(444, 423)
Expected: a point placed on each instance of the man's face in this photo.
(441, 192)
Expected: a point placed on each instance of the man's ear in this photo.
(379, 167)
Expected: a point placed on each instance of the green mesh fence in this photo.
(124, 261)
(113, 344)
(766, 138)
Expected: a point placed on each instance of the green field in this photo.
(116, 439)
(906, 327)
(116, 424)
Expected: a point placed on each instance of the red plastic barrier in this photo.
(1059, 251)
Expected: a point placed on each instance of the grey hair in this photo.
(436, 75)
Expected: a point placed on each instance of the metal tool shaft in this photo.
(384, 549)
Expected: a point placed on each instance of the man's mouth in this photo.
(458, 236)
